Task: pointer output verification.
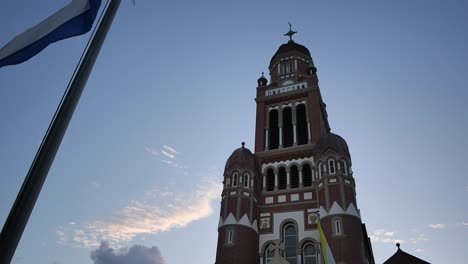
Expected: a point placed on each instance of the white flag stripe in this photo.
(75, 8)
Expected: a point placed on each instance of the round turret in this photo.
(241, 158)
(262, 81)
(333, 142)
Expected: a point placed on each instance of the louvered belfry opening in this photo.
(288, 136)
(307, 175)
(282, 178)
(301, 122)
(294, 173)
(270, 180)
(273, 130)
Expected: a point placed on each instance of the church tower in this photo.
(299, 174)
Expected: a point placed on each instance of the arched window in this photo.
(273, 130)
(230, 235)
(331, 166)
(270, 180)
(288, 131)
(301, 123)
(337, 229)
(294, 173)
(235, 177)
(290, 242)
(344, 167)
(306, 175)
(320, 168)
(282, 178)
(268, 254)
(309, 254)
(246, 180)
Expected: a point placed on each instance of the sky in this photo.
(138, 174)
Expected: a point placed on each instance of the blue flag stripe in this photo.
(74, 26)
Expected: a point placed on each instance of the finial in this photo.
(290, 33)
(262, 75)
(398, 246)
(243, 144)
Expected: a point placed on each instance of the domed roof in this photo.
(290, 46)
(334, 142)
(262, 80)
(241, 158)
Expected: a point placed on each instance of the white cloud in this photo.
(158, 212)
(382, 236)
(420, 238)
(135, 255)
(419, 250)
(170, 149)
(464, 223)
(437, 226)
(169, 155)
(72, 223)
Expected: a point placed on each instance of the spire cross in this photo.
(290, 32)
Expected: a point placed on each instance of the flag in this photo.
(326, 252)
(75, 19)
(323, 240)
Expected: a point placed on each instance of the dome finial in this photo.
(398, 246)
(290, 33)
(243, 144)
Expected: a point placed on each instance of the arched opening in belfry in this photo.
(282, 178)
(270, 180)
(288, 131)
(301, 122)
(294, 173)
(307, 175)
(273, 142)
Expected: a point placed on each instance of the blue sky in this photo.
(171, 96)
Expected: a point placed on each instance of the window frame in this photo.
(311, 244)
(285, 227)
(344, 167)
(337, 227)
(230, 236)
(246, 180)
(235, 179)
(331, 164)
(320, 168)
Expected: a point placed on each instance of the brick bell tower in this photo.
(300, 170)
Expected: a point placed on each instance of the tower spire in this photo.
(290, 33)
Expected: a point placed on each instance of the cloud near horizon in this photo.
(159, 211)
(137, 254)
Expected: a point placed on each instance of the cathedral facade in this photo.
(299, 174)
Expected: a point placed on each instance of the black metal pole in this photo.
(27, 196)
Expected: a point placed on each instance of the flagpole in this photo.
(27, 196)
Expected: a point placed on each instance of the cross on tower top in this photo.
(290, 33)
